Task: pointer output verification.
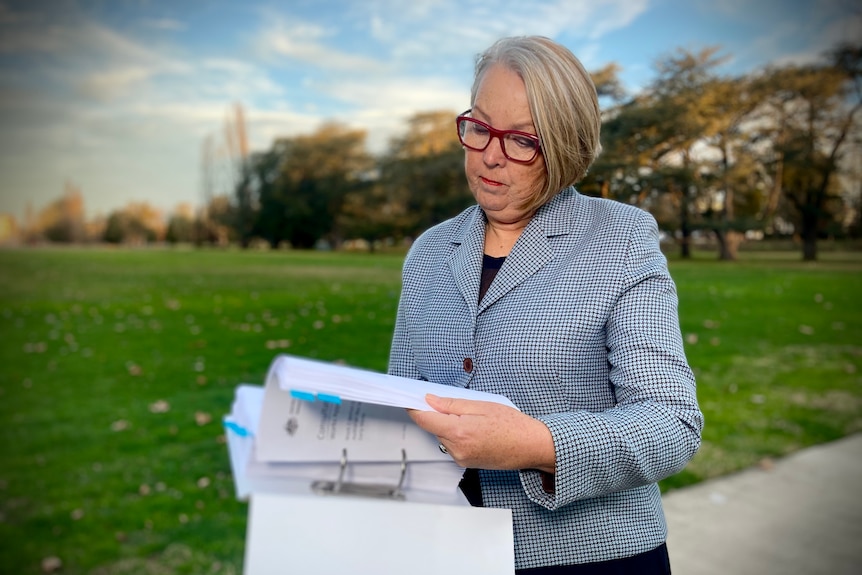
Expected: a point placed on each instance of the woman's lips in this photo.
(488, 182)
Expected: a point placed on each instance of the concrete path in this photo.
(801, 516)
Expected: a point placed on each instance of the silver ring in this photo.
(442, 448)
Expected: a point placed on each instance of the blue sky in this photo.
(117, 96)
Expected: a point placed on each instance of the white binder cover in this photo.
(430, 476)
(325, 535)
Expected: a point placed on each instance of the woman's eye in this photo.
(526, 143)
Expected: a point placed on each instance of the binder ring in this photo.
(375, 490)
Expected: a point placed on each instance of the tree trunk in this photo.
(809, 245)
(728, 239)
(728, 244)
(809, 249)
(809, 233)
(685, 242)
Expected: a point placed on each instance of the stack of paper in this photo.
(316, 379)
(317, 422)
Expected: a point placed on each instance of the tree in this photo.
(678, 95)
(597, 182)
(651, 144)
(812, 114)
(726, 105)
(181, 225)
(423, 172)
(257, 180)
(138, 223)
(370, 214)
(607, 81)
(62, 220)
(224, 169)
(294, 192)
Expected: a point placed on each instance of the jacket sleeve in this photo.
(654, 428)
(402, 361)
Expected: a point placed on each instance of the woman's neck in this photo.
(501, 238)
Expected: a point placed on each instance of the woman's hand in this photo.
(487, 435)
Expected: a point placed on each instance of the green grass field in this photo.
(117, 366)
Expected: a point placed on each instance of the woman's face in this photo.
(500, 185)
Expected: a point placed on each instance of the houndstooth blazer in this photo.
(580, 330)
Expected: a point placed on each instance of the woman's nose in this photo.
(493, 153)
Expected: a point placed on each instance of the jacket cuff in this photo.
(543, 488)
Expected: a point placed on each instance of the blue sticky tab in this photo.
(328, 398)
(236, 428)
(304, 395)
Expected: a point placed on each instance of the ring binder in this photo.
(373, 490)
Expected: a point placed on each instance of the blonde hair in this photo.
(563, 103)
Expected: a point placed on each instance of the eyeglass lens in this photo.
(477, 135)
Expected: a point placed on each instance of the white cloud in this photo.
(305, 43)
(401, 95)
(384, 107)
(426, 51)
(616, 15)
(167, 24)
(459, 27)
(119, 115)
(90, 44)
(113, 84)
(802, 38)
(265, 126)
(842, 29)
(82, 58)
(228, 80)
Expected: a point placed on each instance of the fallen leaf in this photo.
(160, 406)
(51, 564)
(120, 425)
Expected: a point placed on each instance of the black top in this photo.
(470, 482)
(490, 267)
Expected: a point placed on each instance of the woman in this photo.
(563, 303)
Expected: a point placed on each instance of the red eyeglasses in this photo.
(517, 146)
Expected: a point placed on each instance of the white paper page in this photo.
(292, 429)
(349, 383)
(239, 450)
(326, 535)
(424, 482)
(432, 481)
(248, 403)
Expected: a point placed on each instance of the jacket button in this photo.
(468, 364)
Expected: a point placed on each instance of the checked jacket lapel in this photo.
(465, 262)
(531, 253)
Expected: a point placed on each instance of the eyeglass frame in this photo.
(499, 134)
